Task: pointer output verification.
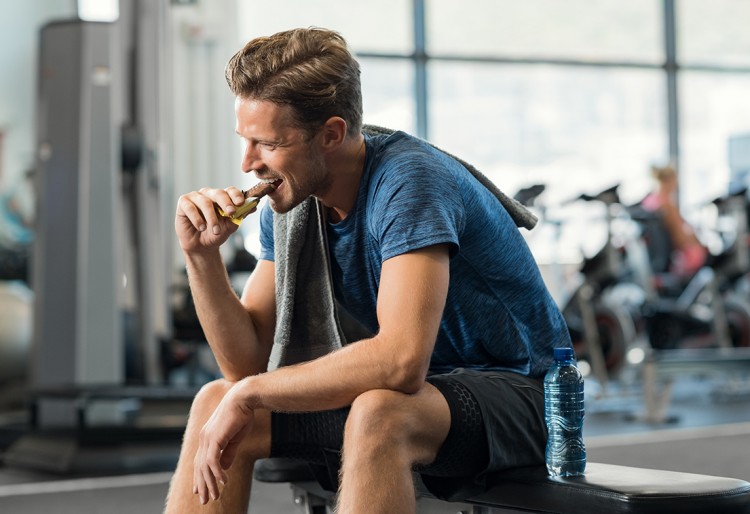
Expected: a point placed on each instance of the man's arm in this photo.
(240, 333)
(411, 299)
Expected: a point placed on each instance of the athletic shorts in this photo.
(497, 423)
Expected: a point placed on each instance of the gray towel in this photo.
(306, 324)
(309, 322)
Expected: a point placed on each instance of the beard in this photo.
(297, 188)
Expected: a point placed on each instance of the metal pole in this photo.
(420, 63)
(671, 68)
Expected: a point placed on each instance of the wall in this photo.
(20, 22)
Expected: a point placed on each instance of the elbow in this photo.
(408, 375)
(235, 373)
(233, 377)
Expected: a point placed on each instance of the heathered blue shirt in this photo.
(498, 314)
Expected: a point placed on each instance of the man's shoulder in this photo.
(396, 141)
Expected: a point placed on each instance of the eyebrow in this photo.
(277, 142)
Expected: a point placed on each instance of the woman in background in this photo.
(688, 253)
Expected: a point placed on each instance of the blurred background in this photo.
(110, 110)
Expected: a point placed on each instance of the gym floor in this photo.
(707, 431)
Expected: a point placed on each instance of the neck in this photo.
(347, 172)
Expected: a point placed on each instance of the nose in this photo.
(251, 158)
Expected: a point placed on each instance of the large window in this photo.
(578, 95)
(567, 128)
(546, 29)
(714, 109)
(380, 31)
(713, 33)
(713, 48)
(384, 26)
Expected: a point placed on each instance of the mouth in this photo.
(252, 199)
(275, 182)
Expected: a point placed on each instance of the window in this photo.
(388, 93)
(569, 128)
(713, 33)
(383, 26)
(577, 95)
(715, 108)
(575, 29)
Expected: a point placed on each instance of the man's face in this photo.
(278, 151)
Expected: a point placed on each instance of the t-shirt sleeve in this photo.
(416, 205)
(266, 233)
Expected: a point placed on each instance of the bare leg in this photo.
(386, 434)
(235, 495)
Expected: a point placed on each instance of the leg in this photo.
(235, 495)
(386, 434)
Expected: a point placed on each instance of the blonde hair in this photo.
(663, 173)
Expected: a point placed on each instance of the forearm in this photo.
(336, 379)
(228, 327)
(411, 301)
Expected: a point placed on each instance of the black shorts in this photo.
(497, 423)
(513, 430)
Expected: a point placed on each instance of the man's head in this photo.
(310, 70)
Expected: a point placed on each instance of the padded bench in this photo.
(604, 489)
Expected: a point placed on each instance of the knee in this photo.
(208, 397)
(378, 417)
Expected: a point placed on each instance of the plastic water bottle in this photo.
(563, 413)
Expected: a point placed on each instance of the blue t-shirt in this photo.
(499, 314)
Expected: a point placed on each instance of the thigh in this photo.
(306, 436)
(416, 423)
(423, 418)
(497, 423)
(420, 420)
(512, 408)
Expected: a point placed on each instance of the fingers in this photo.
(228, 199)
(237, 195)
(227, 457)
(207, 471)
(214, 472)
(199, 485)
(196, 211)
(218, 444)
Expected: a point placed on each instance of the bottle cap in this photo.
(563, 354)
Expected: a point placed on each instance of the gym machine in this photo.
(97, 398)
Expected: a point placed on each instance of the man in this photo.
(420, 254)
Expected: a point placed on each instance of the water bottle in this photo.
(563, 414)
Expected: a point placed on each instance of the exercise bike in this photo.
(699, 311)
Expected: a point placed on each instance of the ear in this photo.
(333, 133)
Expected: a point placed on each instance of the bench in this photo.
(604, 489)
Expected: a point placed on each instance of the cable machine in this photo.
(101, 302)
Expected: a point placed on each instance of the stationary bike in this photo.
(700, 311)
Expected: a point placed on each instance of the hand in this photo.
(218, 444)
(197, 223)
